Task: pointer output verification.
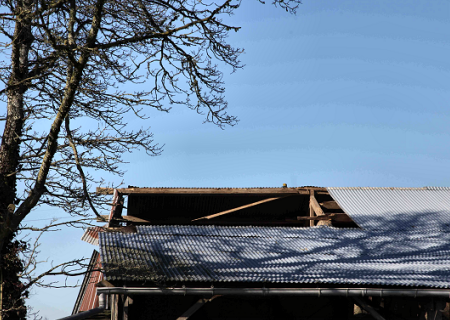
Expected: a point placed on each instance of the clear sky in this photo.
(345, 93)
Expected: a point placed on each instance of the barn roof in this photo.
(403, 240)
(271, 255)
(411, 209)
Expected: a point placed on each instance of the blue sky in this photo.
(345, 93)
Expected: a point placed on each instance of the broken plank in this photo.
(238, 208)
(330, 205)
(126, 219)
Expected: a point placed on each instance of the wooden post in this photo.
(315, 207)
(126, 304)
(311, 209)
(114, 307)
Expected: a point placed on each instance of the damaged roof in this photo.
(321, 255)
(404, 240)
(396, 208)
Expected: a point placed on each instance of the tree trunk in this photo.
(16, 88)
(9, 161)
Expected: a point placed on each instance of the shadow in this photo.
(416, 257)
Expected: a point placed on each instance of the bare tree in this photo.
(66, 60)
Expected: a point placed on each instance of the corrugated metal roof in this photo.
(87, 296)
(396, 208)
(277, 255)
(90, 235)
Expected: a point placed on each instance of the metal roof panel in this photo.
(396, 208)
(277, 255)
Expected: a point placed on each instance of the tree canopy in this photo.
(68, 60)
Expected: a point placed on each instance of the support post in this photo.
(114, 306)
(311, 209)
(126, 305)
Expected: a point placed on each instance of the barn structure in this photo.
(270, 253)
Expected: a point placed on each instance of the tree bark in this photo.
(10, 146)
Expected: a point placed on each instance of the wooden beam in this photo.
(116, 209)
(114, 306)
(315, 205)
(317, 209)
(200, 303)
(330, 205)
(341, 217)
(311, 210)
(126, 308)
(214, 191)
(238, 208)
(368, 308)
(125, 219)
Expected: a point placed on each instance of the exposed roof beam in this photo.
(238, 208)
(214, 191)
(200, 303)
(368, 308)
(331, 205)
(341, 217)
(315, 205)
(126, 219)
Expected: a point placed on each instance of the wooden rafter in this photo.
(238, 208)
(331, 205)
(200, 303)
(315, 205)
(316, 210)
(214, 191)
(126, 219)
(116, 209)
(341, 217)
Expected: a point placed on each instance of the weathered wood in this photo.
(341, 217)
(315, 205)
(368, 308)
(126, 219)
(311, 210)
(212, 216)
(114, 306)
(214, 191)
(116, 209)
(200, 303)
(126, 304)
(330, 205)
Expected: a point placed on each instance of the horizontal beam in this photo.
(317, 292)
(341, 217)
(214, 191)
(125, 219)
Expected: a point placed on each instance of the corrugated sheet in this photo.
(90, 235)
(277, 255)
(396, 208)
(87, 297)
